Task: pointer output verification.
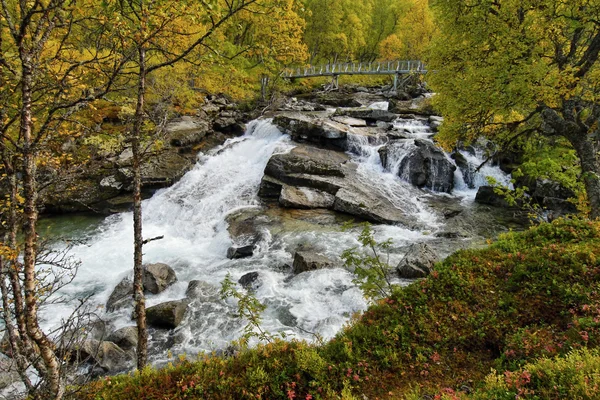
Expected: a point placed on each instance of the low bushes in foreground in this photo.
(530, 296)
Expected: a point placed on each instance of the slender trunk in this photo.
(138, 288)
(587, 150)
(46, 347)
(17, 334)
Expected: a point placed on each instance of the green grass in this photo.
(526, 299)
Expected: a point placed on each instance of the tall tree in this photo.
(161, 33)
(513, 69)
(48, 73)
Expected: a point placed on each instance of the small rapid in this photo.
(192, 217)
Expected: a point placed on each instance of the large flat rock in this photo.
(321, 131)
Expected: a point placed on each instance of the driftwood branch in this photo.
(146, 241)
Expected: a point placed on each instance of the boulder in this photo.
(121, 296)
(186, 131)
(157, 277)
(235, 252)
(164, 169)
(303, 128)
(370, 206)
(126, 337)
(307, 160)
(303, 197)
(167, 315)
(107, 355)
(310, 261)
(226, 124)
(421, 163)
(487, 195)
(368, 114)
(202, 291)
(248, 279)
(418, 262)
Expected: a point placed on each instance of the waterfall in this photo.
(192, 217)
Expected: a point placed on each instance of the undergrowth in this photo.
(526, 305)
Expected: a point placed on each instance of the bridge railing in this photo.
(370, 68)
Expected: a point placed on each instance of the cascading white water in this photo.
(192, 217)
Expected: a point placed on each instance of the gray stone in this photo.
(306, 160)
(370, 206)
(121, 296)
(186, 131)
(487, 195)
(423, 165)
(235, 252)
(248, 279)
(310, 261)
(303, 197)
(167, 315)
(126, 337)
(270, 188)
(202, 291)
(322, 131)
(107, 355)
(367, 114)
(157, 277)
(418, 262)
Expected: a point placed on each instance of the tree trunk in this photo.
(52, 373)
(138, 288)
(587, 150)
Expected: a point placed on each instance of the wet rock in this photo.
(126, 337)
(248, 279)
(487, 195)
(310, 261)
(167, 315)
(163, 170)
(467, 169)
(303, 128)
(8, 372)
(270, 188)
(367, 114)
(418, 262)
(202, 291)
(306, 160)
(186, 131)
(370, 206)
(107, 355)
(157, 277)
(243, 227)
(435, 122)
(229, 125)
(235, 252)
(121, 296)
(423, 165)
(303, 197)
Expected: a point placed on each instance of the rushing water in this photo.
(191, 215)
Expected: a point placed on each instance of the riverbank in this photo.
(527, 296)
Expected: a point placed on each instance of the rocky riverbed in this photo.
(267, 208)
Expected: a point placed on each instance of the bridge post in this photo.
(395, 82)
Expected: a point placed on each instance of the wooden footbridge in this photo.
(396, 68)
